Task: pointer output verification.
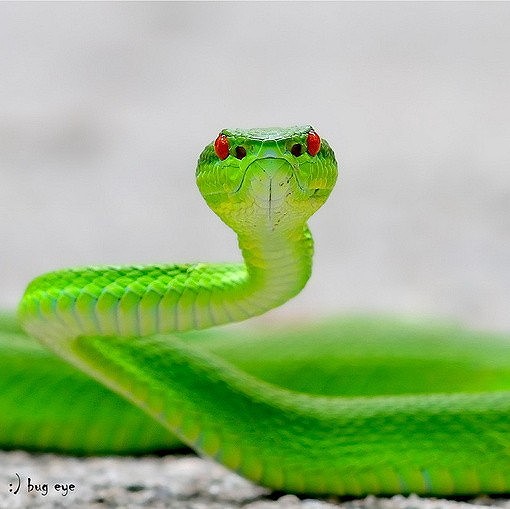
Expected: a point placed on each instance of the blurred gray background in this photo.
(104, 108)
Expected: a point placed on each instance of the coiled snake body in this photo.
(117, 324)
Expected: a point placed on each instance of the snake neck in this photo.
(276, 268)
(161, 299)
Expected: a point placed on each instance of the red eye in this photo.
(313, 143)
(221, 146)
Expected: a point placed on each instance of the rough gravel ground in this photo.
(174, 482)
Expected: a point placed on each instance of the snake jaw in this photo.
(271, 183)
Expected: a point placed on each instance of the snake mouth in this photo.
(269, 177)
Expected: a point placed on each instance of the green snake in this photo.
(347, 407)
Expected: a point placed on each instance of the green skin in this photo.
(348, 408)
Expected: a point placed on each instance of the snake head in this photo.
(266, 178)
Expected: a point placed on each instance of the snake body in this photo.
(124, 327)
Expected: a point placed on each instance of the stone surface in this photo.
(173, 482)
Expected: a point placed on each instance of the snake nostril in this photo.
(240, 152)
(296, 149)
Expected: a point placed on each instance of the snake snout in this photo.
(270, 179)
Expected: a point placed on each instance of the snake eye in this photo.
(240, 152)
(221, 146)
(313, 143)
(296, 149)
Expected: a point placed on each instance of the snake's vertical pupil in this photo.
(313, 143)
(221, 146)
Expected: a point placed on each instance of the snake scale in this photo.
(400, 409)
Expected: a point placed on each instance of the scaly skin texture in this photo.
(113, 323)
